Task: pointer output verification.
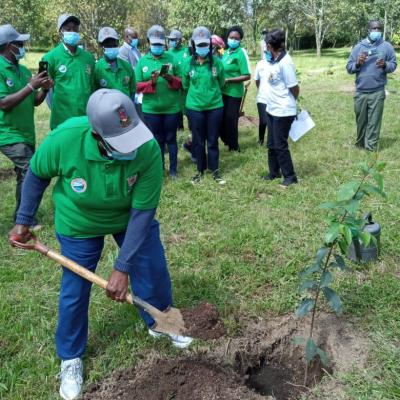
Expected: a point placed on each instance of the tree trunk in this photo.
(384, 25)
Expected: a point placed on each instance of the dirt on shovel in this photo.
(203, 322)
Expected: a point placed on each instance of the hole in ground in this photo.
(282, 375)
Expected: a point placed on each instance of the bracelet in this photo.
(30, 86)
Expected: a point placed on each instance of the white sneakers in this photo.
(181, 342)
(71, 378)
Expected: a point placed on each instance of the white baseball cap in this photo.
(8, 34)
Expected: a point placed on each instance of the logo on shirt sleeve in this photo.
(103, 83)
(78, 185)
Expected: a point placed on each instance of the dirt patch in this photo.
(248, 121)
(203, 322)
(6, 174)
(177, 379)
(261, 361)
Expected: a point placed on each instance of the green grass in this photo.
(240, 246)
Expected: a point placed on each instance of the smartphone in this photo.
(43, 66)
(164, 69)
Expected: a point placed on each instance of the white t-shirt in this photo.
(261, 75)
(280, 77)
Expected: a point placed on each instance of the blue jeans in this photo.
(149, 280)
(164, 127)
(205, 127)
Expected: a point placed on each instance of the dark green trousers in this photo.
(20, 154)
(369, 109)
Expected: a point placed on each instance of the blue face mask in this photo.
(134, 43)
(202, 51)
(71, 38)
(111, 52)
(375, 35)
(156, 50)
(268, 55)
(233, 43)
(21, 53)
(172, 44)
(115, 155)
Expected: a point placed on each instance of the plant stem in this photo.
(318, 290)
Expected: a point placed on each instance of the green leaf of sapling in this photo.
(311, 350)
(333, 299)
(305, 307)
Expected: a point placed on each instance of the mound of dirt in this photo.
(203, 322)
(261, 361)
(177, 379)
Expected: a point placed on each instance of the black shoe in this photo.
(217, 178)
(287, 182)
(196, 179)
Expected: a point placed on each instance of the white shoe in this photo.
(181, 342)
(71, 379)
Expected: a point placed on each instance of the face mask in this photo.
(375, 35)
(117, 155)
(157, 50)
(202, 51)
(71, 38)
(134, 43)
(233, 43)
(111, 52)
(172, 44)
(268, 55)
(21, 53)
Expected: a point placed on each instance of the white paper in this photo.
(301, 125)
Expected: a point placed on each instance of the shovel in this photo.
(169, 321)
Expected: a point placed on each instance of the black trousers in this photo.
(230, 122)
(262, 121)
(279, 158)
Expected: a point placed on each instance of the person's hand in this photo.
(117, 287)
(154, 77)
(361, 58)
(381, 63)
(39, 80)
(167, 77)
(20, 233)
(48, 84)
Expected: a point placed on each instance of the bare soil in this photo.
(248, 121)
(260, 361)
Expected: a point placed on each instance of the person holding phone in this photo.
(157, 78)
(72, 70)
(20, 92)
(371, 60)
(110, 71)
(203, 77)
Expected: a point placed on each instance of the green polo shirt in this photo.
(180, 55)
(164, 100)
(93, 195)
(236, 63)
(73, 82)
(16, 125)
(122, 77)
(203, 84)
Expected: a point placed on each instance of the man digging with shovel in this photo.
(109, 181)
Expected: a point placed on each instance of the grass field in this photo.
(240, 247)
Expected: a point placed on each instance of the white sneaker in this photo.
(71, 379)
(181, 342)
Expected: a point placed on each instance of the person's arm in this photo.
(221, 73)
(132, 84)
(355, 60)
(257, 75)
(244, 68)
(7, 103)
(288, 71)
(390, 62)
(295, 90)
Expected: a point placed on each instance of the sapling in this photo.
(345, 225)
